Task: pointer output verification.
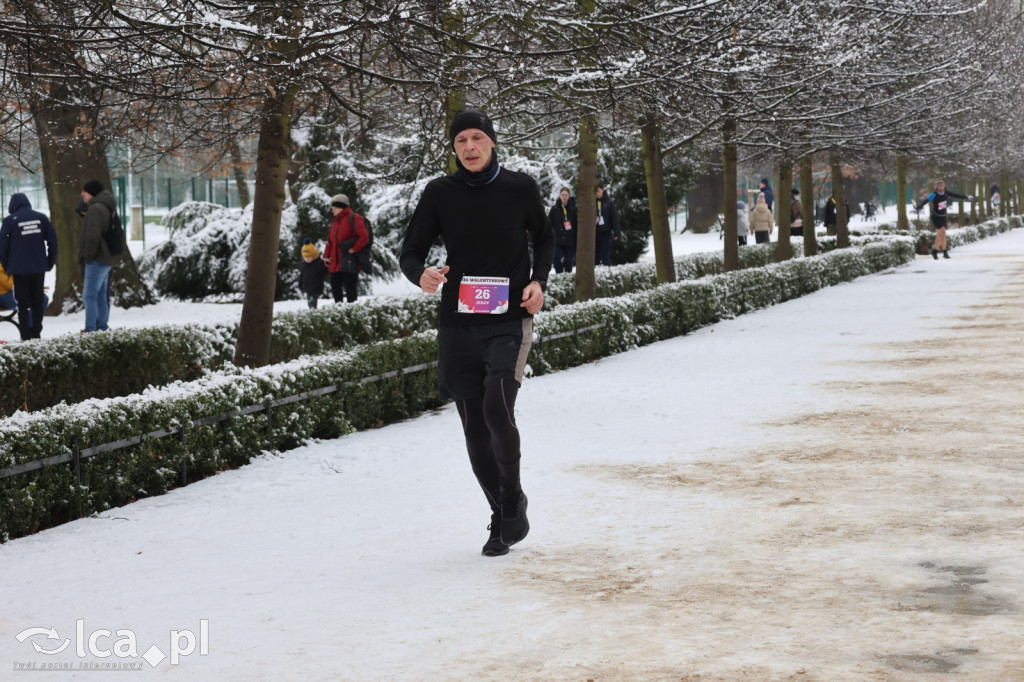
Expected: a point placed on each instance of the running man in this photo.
(939, 200)
(488, 217)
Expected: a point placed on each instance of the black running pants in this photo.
(492, 438)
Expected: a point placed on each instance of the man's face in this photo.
(86, 197)
(474, 149)
(600, 192)
(564, 196)
(941, 187)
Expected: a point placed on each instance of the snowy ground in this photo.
(829, 489)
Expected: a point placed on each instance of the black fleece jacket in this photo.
(488, 231)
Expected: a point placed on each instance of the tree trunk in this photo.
(979, 199)
(664, 262)
(807, 197)
(454, 103)
(586, 209)
(842, 228)
(731, 254)
(902, 223)
(71, 154)
(238, 169)
(454, 25)
(784, 199)
(253, 345)
(974, 204)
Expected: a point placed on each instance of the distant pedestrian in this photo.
(994, 197)
(94, 255)
(742, 222)
(562, 217)
(311, 276)
(830, 215)
(939, 203)
(796, 215)
(769, 195)
(607, 228)
(762, 222)
(346, 253)
(28, 250)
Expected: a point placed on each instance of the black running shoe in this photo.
(514, 525)
(945, 254)
(494, 546)
(935, 254)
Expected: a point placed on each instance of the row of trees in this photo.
(892, 84)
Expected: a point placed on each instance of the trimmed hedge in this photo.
(76, 367)
(618, 280)
(673, 309)
(53, 495)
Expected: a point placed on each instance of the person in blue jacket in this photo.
(28, 250)
(939, 200)
(769, 195)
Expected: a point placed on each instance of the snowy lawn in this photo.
(829, 489)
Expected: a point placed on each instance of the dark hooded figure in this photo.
(28, 250)
(769, 195)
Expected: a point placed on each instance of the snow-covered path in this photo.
(829, 489)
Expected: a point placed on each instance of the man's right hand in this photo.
(431, 279)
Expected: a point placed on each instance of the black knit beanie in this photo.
(471, 118)
(93, 187)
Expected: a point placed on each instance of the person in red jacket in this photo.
(344, 253)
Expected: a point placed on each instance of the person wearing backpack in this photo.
(347, 251)
(94, 255)
(28, 249)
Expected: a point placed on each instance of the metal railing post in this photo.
(184, 450)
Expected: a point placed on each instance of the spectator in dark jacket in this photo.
(562, 217)
(311, 277)
(769, 195)
(607, 228)
(830, 215)
(28, 249)
(796, 215)
(94, 255)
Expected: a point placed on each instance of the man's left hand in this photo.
(533, 298)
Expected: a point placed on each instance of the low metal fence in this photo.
(76, 456)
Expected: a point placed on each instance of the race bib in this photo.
(942, 205)
(483, 295)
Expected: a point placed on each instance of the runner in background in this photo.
(939, 200)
